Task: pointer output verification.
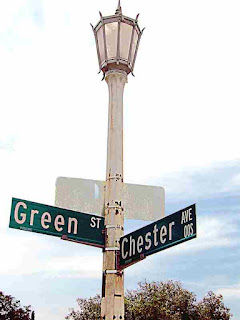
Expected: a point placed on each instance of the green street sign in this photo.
(67, 224)
(159, 235)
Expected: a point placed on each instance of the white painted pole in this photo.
(112, 306)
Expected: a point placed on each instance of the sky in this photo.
(181, 132)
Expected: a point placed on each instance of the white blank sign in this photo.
(140, 202)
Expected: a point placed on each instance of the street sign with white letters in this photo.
(159, 235)
(67, 224)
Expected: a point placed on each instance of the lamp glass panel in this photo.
(125, 39)
(111, 31)
(101, 44)
(134, 45)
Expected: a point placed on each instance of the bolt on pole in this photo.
(112, 306)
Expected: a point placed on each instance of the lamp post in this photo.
(117, 39)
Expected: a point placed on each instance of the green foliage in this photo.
(212, 307)
(10, 309)
(159, 300)
(89, 309)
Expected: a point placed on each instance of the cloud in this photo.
(212, 233)
(7, 143)
(236, 180)
(36, 11)
(55, 311)
(18, 251)
(48, 256)
(216, 180)
(75, 267)
(232, 292)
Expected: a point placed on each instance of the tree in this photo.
(212, 307)
(169, 301)
(10, 309)
(89, 309)
(159, 300)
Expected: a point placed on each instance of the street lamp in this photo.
(117, 40)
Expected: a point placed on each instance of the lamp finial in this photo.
(119, 9)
